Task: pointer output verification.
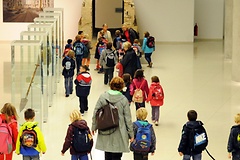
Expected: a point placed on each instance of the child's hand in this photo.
(152, 153)
(131, 140)
(180, 153)
(229, 155)
(62, 154)
(43, 152)
(93, 132)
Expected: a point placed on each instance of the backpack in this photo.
(80, 49)
(82, 141)
(110, 59)
(198, 139)
(138, 94)
(157, 93)
(101, 48)
(151, 42)
(142, 141)
(137, 51)
(68, 65)
(29, 137)
(236, 141)
(6, 141)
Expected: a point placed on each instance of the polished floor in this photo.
(193, 76)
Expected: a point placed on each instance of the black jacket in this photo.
(232, 141)
(184, 145)
(68, 73)
(129, 62)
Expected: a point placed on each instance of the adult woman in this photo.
(114, 144)
(148, 51)
(107, 34)
(129, 60)
(9, 115)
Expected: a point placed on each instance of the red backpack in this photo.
(6, 140)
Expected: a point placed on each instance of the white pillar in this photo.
(228, 29)
(236, 42)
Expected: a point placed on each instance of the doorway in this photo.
(110, 12)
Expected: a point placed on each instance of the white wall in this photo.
(72, 14)
(209, 14)
(166, 20)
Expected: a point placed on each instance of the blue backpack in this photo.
(142, 141)
(80, 49)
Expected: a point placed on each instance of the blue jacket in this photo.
(145, 48)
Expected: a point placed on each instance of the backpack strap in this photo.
(140, 85)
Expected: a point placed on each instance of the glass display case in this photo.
(56, 42)
(28, 85)
(49, 29)
(58, 10)
(59, 30)
(46, 57)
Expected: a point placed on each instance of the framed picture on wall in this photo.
(23, 10)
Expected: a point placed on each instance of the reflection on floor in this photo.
(194, 76)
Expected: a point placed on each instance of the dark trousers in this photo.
(113, 156)
(148, 57)
(139, 156)
(78, 62)
(108, 75)
(83, 101)
(139, 105)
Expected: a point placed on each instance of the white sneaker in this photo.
(156, 123)
(82, 114)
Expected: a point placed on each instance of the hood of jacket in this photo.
(236, 126)
(113, 96)
(84, 76)
(82, 124)
(155, 84)
(29, 124)
(143, 123)
(193, 124)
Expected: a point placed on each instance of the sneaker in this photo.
(150, 64)
(82, 114)
(156, 123)
(96, 69)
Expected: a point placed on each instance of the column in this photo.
(228, 29)
(236, 42)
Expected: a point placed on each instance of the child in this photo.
(78, 47)
(68, 64)
(136, 47)
(83, 85)
(30, 152)
(233, 141)
(68, 47)
(155, 96)
(126, 90)
(9, 115)
(147, 49)
(86, 55)
(101, 45)
(194, 150)
(76, 122)
(141, 114)
(108, 60)
(139, 83)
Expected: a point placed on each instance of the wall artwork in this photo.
(24, 10)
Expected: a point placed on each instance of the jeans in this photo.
(155, 113)
(194, 157)
(108, 75)
(139, 105)
(113, 156)
(31, 157)
(83, 101)
(79, 157)
(148, 57)
(68, 85)
(139, 156)
(79, 62)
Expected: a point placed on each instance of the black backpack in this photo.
(151, 42)
(110, 59)
(82, 140)
(29, 137)
(198, 139)
(236, 136)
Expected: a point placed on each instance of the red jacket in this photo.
(136, 83)
(154, 101)
(14, 126)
